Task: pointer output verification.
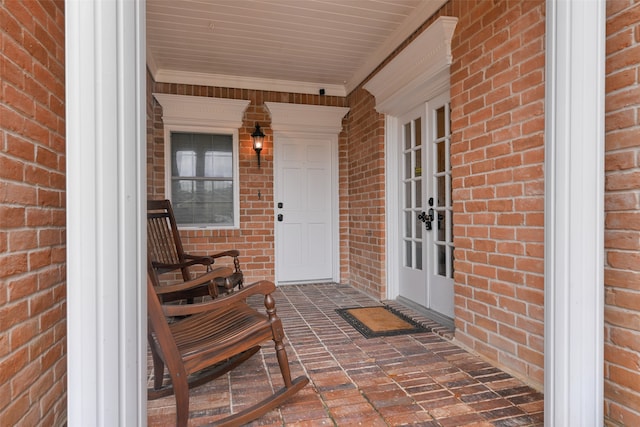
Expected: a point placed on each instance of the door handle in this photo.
(427, 218)
(280, 217)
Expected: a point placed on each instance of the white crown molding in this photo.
(306, 118)
(201, 110)
(416, 73)
(221, 80)
(423, 12)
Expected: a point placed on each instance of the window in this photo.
(201, 158)
(202, 179)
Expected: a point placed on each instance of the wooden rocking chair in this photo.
(165, 250)
(215, 337)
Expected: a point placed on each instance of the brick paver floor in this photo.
(419, 379)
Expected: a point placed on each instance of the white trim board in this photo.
(106, 193)
(574, 214)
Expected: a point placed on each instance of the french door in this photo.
(426, 227)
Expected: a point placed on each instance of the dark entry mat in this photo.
(380, 321)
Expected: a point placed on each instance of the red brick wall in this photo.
(365, 174)
(255, 237)
(497, 100)
(622, 216)
(32, 215)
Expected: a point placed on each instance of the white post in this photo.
(574, 213)
(105, 116)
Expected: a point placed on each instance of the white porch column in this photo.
(105, 117)
(574, 213)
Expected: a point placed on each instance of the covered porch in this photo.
(423, 378)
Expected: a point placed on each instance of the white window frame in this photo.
(168, 130)
(198, 114)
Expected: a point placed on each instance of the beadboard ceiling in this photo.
(297, 46)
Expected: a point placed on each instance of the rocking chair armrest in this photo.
(263, 287)
(201, 260)
(232, 253)
(198, 281)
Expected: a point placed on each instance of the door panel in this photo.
(303, 185)
(440, 238)
(426, 229)
(412, 274)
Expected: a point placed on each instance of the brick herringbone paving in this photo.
(420, 379)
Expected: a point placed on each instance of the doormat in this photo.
(380, 321)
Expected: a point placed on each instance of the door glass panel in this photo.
(408, 254)
(419, 255)
(441, 164)
(442, 226)
(418, 133)
(440, 189)
(407, 164)
(407, 225)
(441, 260)
(440, 122)
(407, 136)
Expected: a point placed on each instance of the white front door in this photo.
(426, 229)
(304, 208)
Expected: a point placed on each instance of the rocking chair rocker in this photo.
(214, 338)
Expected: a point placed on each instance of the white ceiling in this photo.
(283, 45)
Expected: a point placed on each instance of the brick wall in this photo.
(497, 100)
(366, 196)
(32, 216)
(622, 216)
(255, 237)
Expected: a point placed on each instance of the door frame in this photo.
(335, 212)
(316, 120)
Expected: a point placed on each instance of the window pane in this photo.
(441, 261)
(418, 256)
(442, 225)
(207, 198)
(407, 136)
(408, 254)
(408, 230)
(407, 165)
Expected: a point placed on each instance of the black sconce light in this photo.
(258, 139)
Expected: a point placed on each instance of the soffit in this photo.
(289, 45)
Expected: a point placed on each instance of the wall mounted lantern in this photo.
(258, 139)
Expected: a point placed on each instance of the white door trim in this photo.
(392, 203)
(574, 213)
(106, 193)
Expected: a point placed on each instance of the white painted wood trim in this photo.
(306, 118)
(392, 203)
(106, 237)
(184, 110)
(416, 74)
(254, 83)
(574, 213)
